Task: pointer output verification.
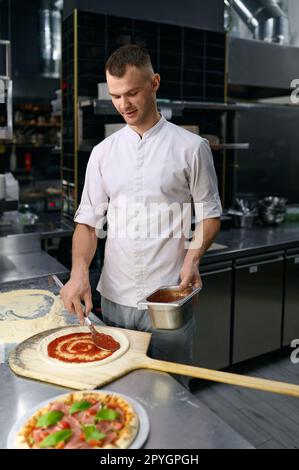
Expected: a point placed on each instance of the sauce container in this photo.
(169, 307)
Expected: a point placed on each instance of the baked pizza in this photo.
(81, 420)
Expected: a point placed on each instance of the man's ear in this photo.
(156, 82)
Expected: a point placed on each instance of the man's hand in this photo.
(190, 274)
(204, 234)
(76, 290)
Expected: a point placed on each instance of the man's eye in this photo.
(133, 93)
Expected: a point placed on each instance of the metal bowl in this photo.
(272, 209)
(272, 217)
(169, 307)
(273, 202)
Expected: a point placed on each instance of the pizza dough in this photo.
(24, 313)
(116, 431)
(120, 337)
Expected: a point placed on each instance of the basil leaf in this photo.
(91, 432)
(79, 406)
(48, 419)
(106, 414)
(55, 437)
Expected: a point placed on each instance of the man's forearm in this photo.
(204, 235)
(83, 249)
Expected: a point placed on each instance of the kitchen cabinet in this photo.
(258, 303)
(211, 347)
(291, 305)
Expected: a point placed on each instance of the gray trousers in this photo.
(167, 345)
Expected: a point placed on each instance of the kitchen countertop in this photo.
(241, 242)
(28, 265)
(49, 225)
(178, 420)
(238, 242)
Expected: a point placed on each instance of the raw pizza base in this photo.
(26, 312)
(126, 435)
(117, 335)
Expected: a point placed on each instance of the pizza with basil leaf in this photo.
(81, 420)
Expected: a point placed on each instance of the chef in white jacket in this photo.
(149, 172)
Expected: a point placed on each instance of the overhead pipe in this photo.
(265, 19)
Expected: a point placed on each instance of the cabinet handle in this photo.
(259, 263)
(217, 271)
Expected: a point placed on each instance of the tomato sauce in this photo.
(79, 347)
(107, 342)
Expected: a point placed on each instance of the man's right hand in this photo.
(74, 292)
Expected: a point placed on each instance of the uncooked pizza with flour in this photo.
(81, 420)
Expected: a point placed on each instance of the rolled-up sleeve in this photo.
(94, 200)
(203, 183)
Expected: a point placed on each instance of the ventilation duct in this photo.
(265, 19)
(6, 131)
(50, 39)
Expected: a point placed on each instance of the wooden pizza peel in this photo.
(26, 360)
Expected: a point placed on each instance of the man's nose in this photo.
(124, 102)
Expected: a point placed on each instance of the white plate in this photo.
(144, 425)
(117, 335)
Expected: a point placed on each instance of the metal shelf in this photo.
(241, 146)
(35, 124)
(237, 146)
(105, 107)
(27, 145)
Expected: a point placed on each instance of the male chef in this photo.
(140, 177)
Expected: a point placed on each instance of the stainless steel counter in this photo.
(28, 266)
(21, 257)
(49, 225)
(177, 419)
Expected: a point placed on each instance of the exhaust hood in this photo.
(266, 65)
(257, 69)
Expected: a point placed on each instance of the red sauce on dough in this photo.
(79, 347)
(107, 342)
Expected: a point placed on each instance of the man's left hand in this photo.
(190, 274)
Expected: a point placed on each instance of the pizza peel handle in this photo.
(223, 377)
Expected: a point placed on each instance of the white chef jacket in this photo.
(167, 165)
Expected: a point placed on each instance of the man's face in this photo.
(134, 94)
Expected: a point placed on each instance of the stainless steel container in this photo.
(244, 220)
(169, 307)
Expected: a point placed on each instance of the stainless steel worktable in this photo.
(177, 418)
(21, 257)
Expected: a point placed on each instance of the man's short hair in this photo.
(130, 54)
